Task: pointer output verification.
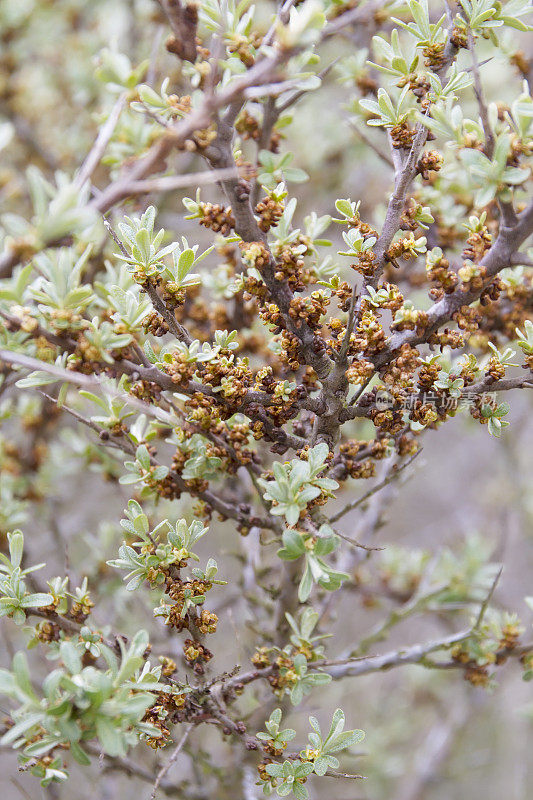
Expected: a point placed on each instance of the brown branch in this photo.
(480, 97)
(500, 256)
(220, 156)
(183, 22)
(118, 442)
(396, 205)
(160, 306)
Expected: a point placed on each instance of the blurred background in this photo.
(430, 735)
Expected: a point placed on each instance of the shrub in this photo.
(242, 366)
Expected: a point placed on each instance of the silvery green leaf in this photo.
(129, 478)
(109, 737)
(160, 473)
(79, 754)
(297, 694)
(143, 456)
(344, 207)
(37, 378)
(300, 792)
(22, 674)
(320, 765)
(135, 582)
(348, 739)
(21, 727)
(40, 747)
(306, 584)
(36, 600)
(70, 657)
(16, 547)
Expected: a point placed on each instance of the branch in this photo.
(37, 330)
(183, 22)
(120, 444)
(500, 256)
(220, 156)
(255, 402)
(287, 600)
(503, 385)
(361, 16)
(381, 632)
(396, 658)
(86, 382)
(169, 183)
(364, 665)
(396, 204)
(486, 601)
(370, 143)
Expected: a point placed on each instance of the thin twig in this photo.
(370, 143)
(480, 97)
(102, 140)
(169, 183)
(85, 381)
(486, 601)
(125, 444)
(381, 485)
(173, 758)
(160, 306)
(355, 543)
(290, 101)
(283, 17)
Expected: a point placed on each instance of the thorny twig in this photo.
(172, 760)
(389, 479)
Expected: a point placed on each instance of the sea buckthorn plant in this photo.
(248, 357)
